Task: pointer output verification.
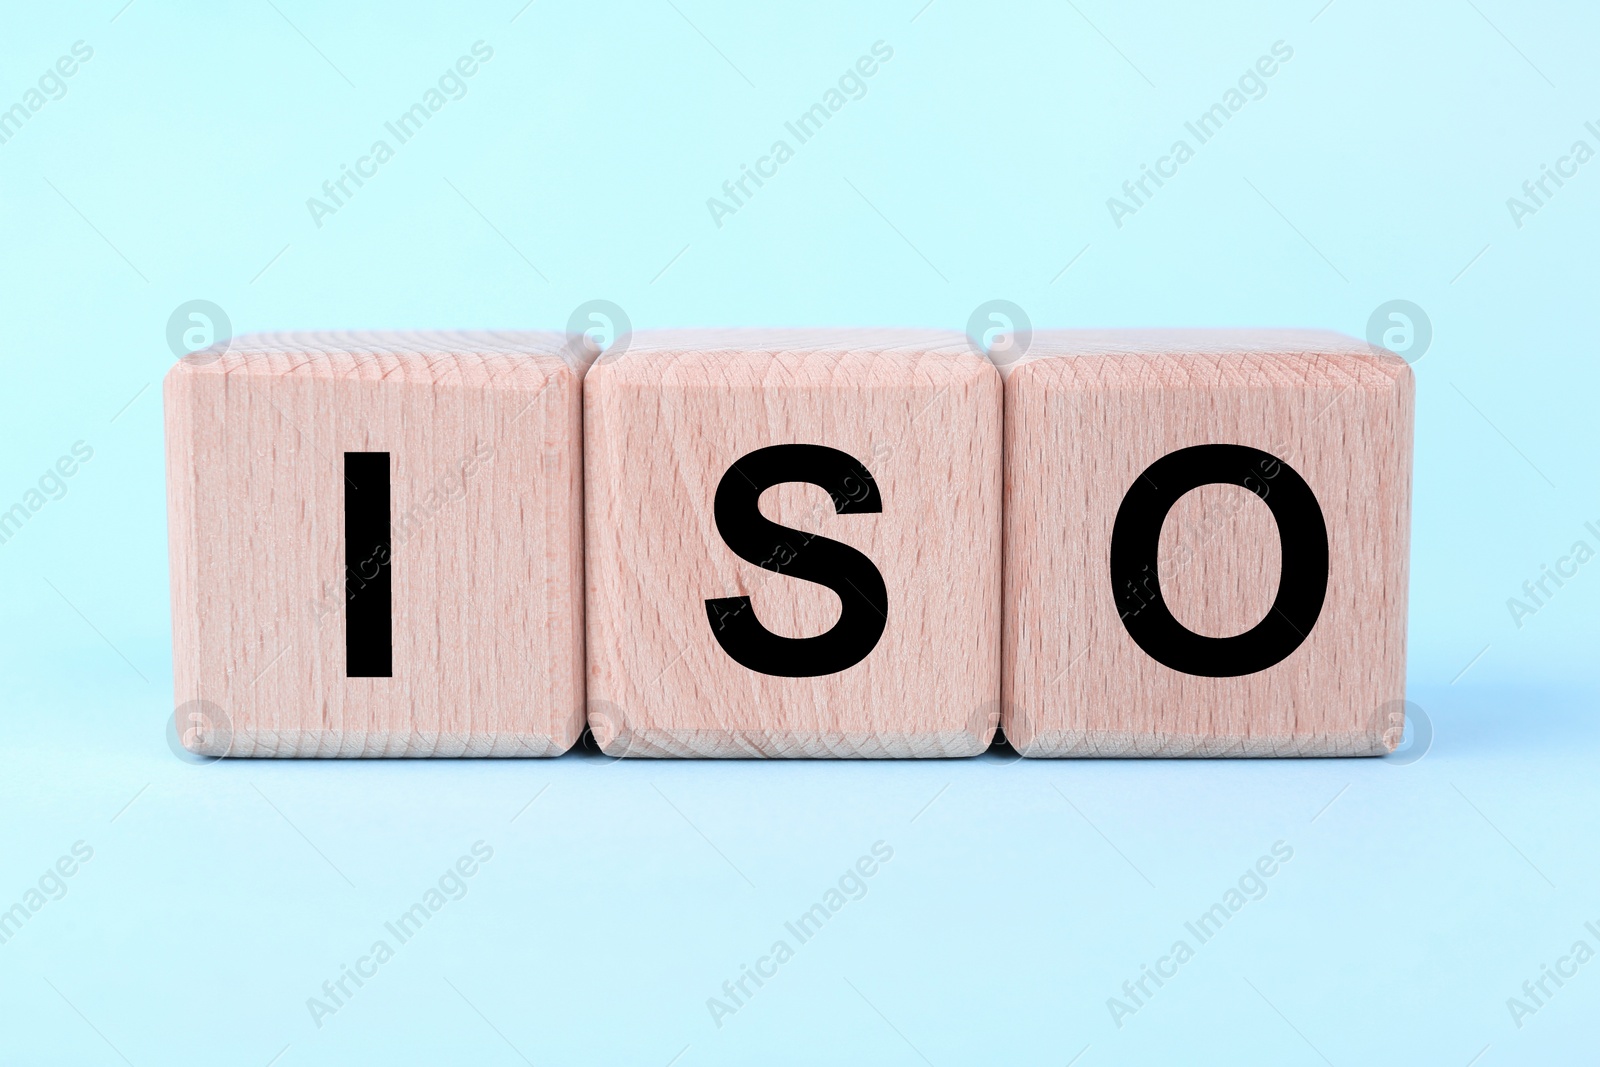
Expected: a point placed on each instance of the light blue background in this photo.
(577, 166)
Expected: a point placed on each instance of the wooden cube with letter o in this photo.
(792, 544)
(1206, 544)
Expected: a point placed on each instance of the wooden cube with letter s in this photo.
(376, 545)
(1206, 544)
(793, 544)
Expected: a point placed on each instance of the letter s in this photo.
(826, 562)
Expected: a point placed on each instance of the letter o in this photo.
(1136, 537)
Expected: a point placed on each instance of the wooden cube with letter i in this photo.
(1206, 544)
(376, 545)
(793, 544)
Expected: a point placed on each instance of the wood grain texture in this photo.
(1086, 413)
(664, 422)
(484, 434)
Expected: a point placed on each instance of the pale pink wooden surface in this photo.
(484, 436)
(1086, 412)
(663, 423)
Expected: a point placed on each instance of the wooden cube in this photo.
(1206, 544)
(856, 612)
(376, 545)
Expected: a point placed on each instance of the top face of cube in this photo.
(510, 360)
(764, 358)
(1230, 356)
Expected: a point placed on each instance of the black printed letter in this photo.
(1136, 535)
(799, 555)
(368, 609)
